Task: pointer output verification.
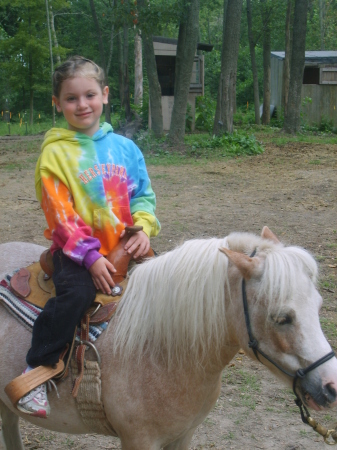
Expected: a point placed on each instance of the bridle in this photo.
(300, 374)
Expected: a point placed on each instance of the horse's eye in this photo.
(284, 319)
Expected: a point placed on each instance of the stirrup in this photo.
(23, 384)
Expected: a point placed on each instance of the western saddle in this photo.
(34, 284)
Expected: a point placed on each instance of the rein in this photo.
(301, 373)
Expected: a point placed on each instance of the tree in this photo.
(321, 21)
(154, 86)
(27, 51)
(138, 95)
(126, 79)
(286, 64)
(292, 113)
(151, 17)
(186, 48)
(104, 64)
(266, 11)
(223, 121)
(253, 60)
(50, 53)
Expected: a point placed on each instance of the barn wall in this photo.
(167, 106)
(323, 96)
(324, 103)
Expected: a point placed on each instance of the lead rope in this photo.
(254, 345)
(305, 415)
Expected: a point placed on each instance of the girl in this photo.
(91, 184)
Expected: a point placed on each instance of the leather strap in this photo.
(20, 283)
(80, 353)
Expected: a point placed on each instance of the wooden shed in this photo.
(165, 50)
(319, 89)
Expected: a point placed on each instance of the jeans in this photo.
(55, 326)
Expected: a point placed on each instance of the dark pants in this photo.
(55, 326)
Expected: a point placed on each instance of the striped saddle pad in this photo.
(26, 313)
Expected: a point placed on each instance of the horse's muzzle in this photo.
(315, 395)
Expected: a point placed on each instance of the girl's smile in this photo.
(81, 100)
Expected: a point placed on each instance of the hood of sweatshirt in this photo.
(57, 134)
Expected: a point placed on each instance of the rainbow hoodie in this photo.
(90, 188)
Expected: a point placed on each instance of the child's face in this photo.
(81, 102)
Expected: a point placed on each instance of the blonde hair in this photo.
(77, 66)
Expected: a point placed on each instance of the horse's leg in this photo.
(182, 443)
(10, 433)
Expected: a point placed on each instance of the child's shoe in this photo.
(35, 402)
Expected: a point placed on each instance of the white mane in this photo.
(174, 306)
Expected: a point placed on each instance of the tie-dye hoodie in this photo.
(90, 188)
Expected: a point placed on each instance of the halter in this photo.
(300, 374)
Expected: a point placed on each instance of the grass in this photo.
(329, 328)
(328, 283)
(14, 129)
(247, 385)
(197, 148)
(245, 141)
(41, 126)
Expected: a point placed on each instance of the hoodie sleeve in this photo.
(66, 228)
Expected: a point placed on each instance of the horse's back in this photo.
(14, 255)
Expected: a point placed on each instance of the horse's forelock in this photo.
(283, 276)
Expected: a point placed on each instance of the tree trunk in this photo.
(126, 81)
(223, 121)
(51, 57)
(286, 63)
(186, 48)
(266, 62)
(102, 54)
(56, 44)
(253, 60)
(31, 106)
(138, 97)
(111, 41)
(31, 90)
(30, 81)
(292, 121)
(322, 21)
(154, 86)
(120, 67)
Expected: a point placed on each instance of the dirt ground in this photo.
(291, 188)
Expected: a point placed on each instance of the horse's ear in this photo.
(268, 234)
(249, 267)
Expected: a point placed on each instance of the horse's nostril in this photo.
(329, 392)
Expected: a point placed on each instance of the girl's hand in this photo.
(138, 242)
(101, 272)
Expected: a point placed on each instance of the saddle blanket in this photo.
(27, 313)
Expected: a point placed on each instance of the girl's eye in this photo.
(70, 99)
(90, 95)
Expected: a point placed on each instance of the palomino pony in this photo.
(179, 324)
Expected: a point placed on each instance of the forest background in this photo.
(107, 32)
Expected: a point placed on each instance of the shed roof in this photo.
(314, 57)
(165, 40)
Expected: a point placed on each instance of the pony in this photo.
(179, 323)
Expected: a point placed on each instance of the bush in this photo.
(204, 113)
(244, 117)
(226, 145)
